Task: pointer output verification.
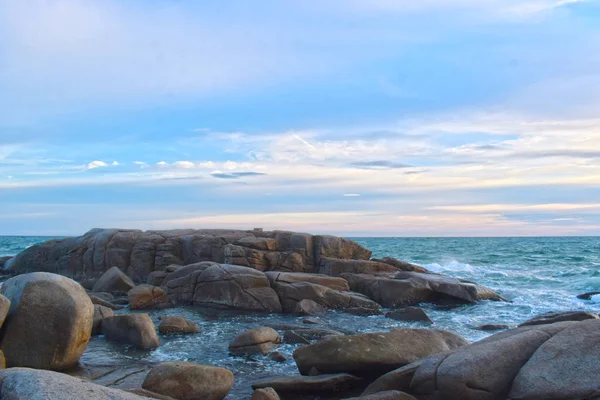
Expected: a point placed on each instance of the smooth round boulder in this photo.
(147, 296)
(176, 325)
(189, 381)
(265, 394)
(114, 281)
(49, 322)
(135, 329)
(255, 341)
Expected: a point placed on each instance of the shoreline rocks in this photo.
(134, 329)
(255, 341)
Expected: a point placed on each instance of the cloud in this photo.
(183, 164)
(97, 164)
(379, 164)
(234, 175)
(351, 195)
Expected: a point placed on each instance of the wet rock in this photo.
(265, 394)
(88, 284)
(588, 295)
(180, 325)
(291, 294)
(101, 302)
(322, 384)
(4, 309)
(307, 335)
(228, 286)
(4, 261)
(492, 327)
(255, 341)
(319, 279)
(338, 267)
(373, 354)
(402, 265)
(147, 296)
(100, 313)
(277, 357)
(413, 314)
(549, 361)
(363, 312)
(411, 288)
(389, 395)
(137, 330)
(34, 384)
(189, 381)
(309, 307)
(552, 317)
(49, 322)
(312, 321)
(114, 281)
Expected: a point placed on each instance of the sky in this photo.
(349, 117)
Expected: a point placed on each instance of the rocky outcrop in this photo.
(176, 325)
(553, 317)
(319, 279)
(49, 322)
(412, 288)
(310, 385)
(137, 330)
(113, 281)
(551, 361)
(255, 341)
(139, 253)
(147, 296)
(373, 354)
(33, 384)
(411, 314)
(225, 285)
(189, 381)
(402, 265)
(309, 307)
(337, 267)
(290, 294)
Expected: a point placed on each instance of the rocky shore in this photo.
(64, 292)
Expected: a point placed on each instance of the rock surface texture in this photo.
(49, 321)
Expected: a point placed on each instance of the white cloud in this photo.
(141, 164)
(351, 195)
(183, 164)
(97, 164)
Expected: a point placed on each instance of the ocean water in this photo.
(536, 274)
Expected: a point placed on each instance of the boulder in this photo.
(492, 327)
(156, 278)
(363, 312)
(4, 308)
(309, 307)
(255, 341)
(549, 361)
(389, 395)
(49, 321)
(319, 279)
(322, 384)
(189, 381)
(179, 325)
(277, 357)
(552, 317)
(100, 313)
(588, 295)
(4, 261)
(373, 354)
(411, 288)
(186, 270)
(114, 281)
(88, 284)
(336, 247)
(290, 294)
(337, 267)
(147, 296)
(101, 302)
(134, 329)
(34, 384)
(402, 265)
(225, 286)
(265, 394)
(412, 314)
(307, 335)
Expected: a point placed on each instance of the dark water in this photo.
(536, 274)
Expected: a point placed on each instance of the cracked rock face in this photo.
(553, 361)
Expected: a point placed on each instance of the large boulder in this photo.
(550, 361)
(49, 322)
(176, 325)
(553, 317)
(100, 314)
(373, 354)
(310, 385)
(147, 296)
(290, 294)
(412, 288)
(34, 384)
(319, 279)
(411, 314)
(189, 381)
(255, 341)
(226, 286)
(137, 330)
(114, 281)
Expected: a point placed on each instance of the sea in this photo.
(536, 275)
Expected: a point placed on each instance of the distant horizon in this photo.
(442, 118)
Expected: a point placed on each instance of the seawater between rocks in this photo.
(536, 274)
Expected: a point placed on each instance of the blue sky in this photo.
(353, 117)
